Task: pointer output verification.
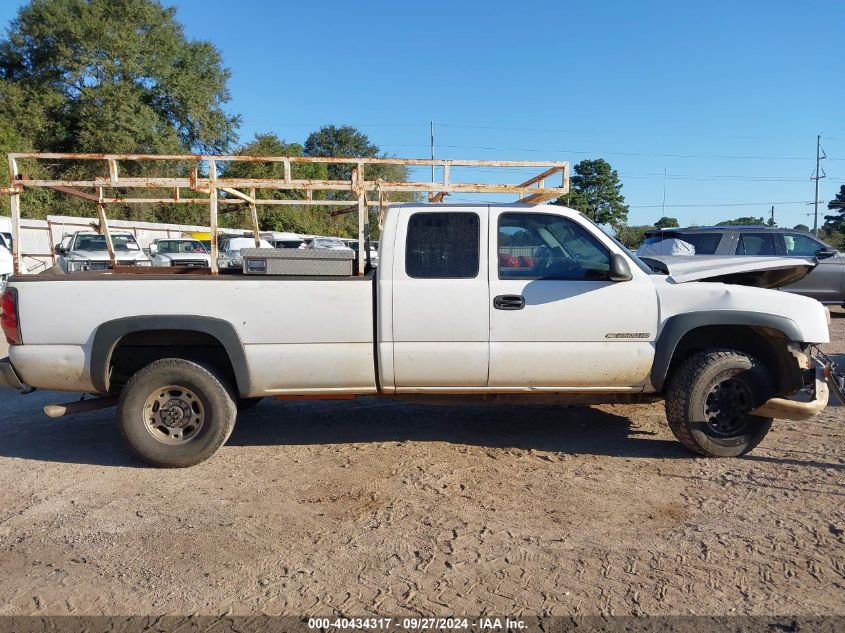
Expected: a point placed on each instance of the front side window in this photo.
(756, 244)
(443, 246)
(801, 245)
(542, 246)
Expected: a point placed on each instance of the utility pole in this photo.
(772, 222)
(432, 150)
(817, 175)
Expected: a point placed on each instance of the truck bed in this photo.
(298, 333)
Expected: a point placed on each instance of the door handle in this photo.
(509, 302)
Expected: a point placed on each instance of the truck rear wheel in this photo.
(708, 399)
(175, 413)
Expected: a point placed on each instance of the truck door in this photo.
(556, 318)
(440, 298)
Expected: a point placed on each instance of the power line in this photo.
(634, 154)
(719, 204)
(656, 175)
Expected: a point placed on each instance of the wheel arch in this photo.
(109, 335)
(757, 333)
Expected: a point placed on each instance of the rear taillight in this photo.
(9, 316)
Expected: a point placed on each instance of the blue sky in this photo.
(726, 97)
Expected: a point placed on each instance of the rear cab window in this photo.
(443, 245)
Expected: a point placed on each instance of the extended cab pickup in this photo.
(509, 302)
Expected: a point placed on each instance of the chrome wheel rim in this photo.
(173, 415)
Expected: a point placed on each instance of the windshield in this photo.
(325, 242)
(122, 243)
(180, 246)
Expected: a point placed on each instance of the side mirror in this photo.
(824, 253)
(60, 250)
(619, 268)
(153, 249)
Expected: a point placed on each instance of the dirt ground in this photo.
(380, 508)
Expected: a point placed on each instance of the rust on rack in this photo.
(199, 174)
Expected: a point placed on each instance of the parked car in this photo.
(329, 243)
(353, 244)
(230, 251)
(826, 282)
(281, 239)
(446, 320)
(180, 252)
(87, 251)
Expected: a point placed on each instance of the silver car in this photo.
(826, 282)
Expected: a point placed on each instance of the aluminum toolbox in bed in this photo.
(298, 262)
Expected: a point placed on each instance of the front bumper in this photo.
(802, 408)
(9, 377)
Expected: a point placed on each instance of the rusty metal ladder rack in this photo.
(242, 191)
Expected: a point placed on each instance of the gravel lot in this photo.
(380, 508)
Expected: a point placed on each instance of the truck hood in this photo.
(179, 257)
(103, 256)
(761, 272)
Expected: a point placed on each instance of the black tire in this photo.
(245, 404)
(188, 401)
(707, 400)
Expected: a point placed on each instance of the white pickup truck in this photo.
(512, 302)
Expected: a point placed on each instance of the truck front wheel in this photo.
(708, 399)
(175, 413)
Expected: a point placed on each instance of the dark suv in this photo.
(826, 282)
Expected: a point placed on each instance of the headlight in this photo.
(76, 266)
(143, 262)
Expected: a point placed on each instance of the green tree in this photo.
(109, 76)
(331, 140)
(597, 193)
(745, 220)
(666, 223)
(118, 76)
(836, 220)
(801, 227)
(632, 236)
(347, 141)
(295, 219)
